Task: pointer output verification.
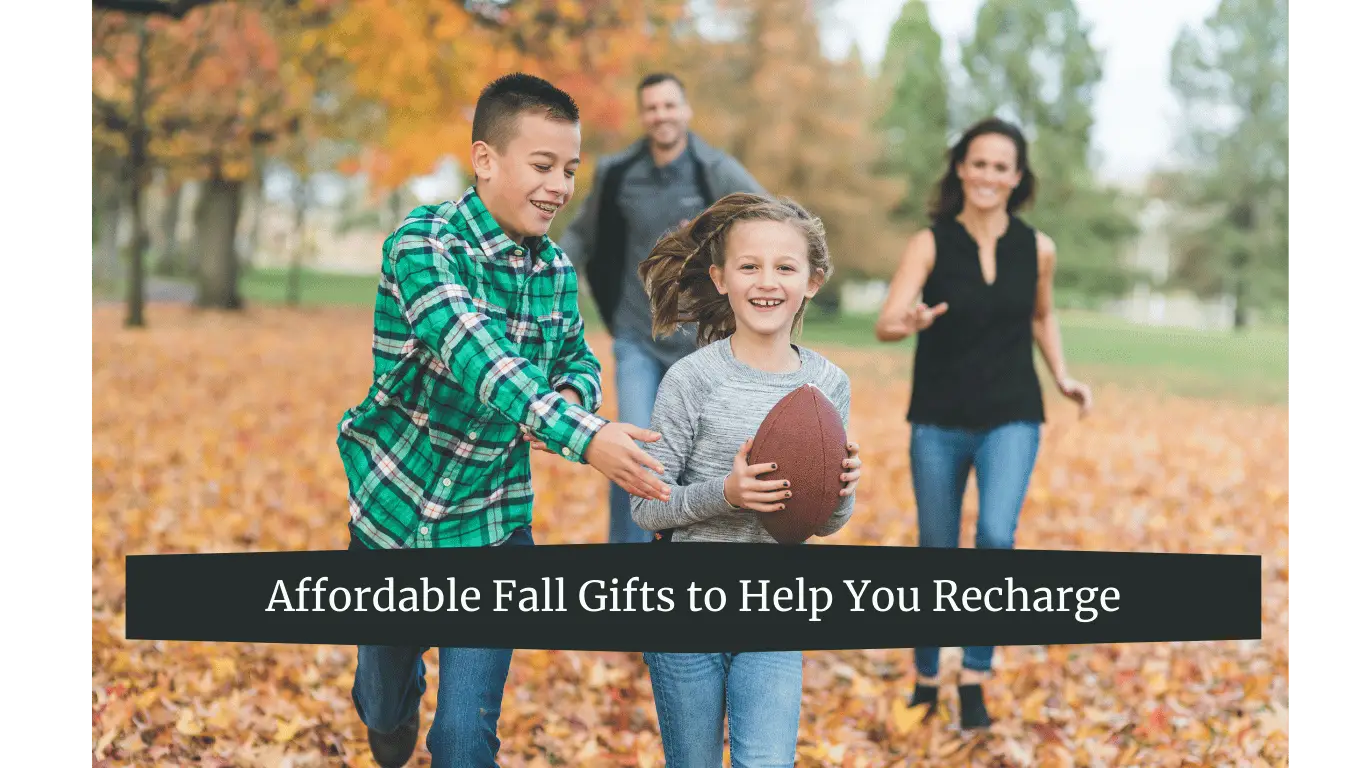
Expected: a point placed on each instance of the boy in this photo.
(479, 350)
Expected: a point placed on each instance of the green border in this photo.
(44, 48)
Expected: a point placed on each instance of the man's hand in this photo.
(744, 489)
(855, 466)
(613, 453)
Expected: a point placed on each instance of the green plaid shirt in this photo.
(474, 335)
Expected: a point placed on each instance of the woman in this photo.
(977, 288)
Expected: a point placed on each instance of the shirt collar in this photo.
(493, 241)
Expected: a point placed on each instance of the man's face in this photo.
(526, 184)
(664, 113)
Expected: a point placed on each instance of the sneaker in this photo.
(392, 750)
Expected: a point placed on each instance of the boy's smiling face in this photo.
(526, 183)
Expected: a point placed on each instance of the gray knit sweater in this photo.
(709, 404)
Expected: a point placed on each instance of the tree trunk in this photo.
(293, 286)
(110, 199)
(137, 160)
(168, 263)
(220, 209)
(258, 204)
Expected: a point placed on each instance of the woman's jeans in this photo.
(760, 694)
(940, 459)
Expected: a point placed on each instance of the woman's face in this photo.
(989, 172)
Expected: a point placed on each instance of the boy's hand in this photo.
(855, 466)
(613, 453)
(744, 489)
(568, 393)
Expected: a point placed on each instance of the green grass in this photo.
(1252, 365)
(268, 286)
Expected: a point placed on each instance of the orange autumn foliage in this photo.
(216, 433)
(217, 81)
(423, 63)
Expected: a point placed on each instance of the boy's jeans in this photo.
(390, 683)
(638, 377)
(940, 460)
(759, 693)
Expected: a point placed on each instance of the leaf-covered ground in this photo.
(216, 433)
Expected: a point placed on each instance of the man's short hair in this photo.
(505, 99)
(655, 78)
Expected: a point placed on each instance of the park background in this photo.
(249, 157)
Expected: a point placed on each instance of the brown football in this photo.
(804, 436)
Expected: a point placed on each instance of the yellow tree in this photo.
(200, 96)
(799, 121)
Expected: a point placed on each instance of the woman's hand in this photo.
(854, 465)
(921, 317)
(744, 489)
(1077, 392)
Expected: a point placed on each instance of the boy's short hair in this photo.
(505, 99)
(655, 78)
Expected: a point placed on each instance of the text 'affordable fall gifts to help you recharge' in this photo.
(694, 597)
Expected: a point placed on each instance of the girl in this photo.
(743, 270)
(987, 284)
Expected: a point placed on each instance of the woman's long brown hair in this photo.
(676, 271)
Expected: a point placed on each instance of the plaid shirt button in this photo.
(565, 451)
(423, 530)
(454, 287)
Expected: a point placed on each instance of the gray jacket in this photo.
(582, 241)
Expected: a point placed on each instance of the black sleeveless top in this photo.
(974, 367)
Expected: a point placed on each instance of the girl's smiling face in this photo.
(767, 276)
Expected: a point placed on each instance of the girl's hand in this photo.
(1077, 392)
(854, 465)
(536, 445)
(744, 489)
(568, 393)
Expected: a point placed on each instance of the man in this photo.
(479, 355)
(663, 180)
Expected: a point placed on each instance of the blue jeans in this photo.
(760, 694)
(940, 460)
(638, 377)
(390, 682)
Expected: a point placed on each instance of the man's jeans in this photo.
(759, 693)
(940, 460)
(638, 377)
(390, 683)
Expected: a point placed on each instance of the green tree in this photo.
(915, 122)
(1032, 62)
(1231, 76)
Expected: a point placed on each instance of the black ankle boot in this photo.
(972, 707)
(925, 694)
(392, 750)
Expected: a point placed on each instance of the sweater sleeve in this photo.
(675, 418)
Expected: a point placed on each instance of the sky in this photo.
(1135, 110)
